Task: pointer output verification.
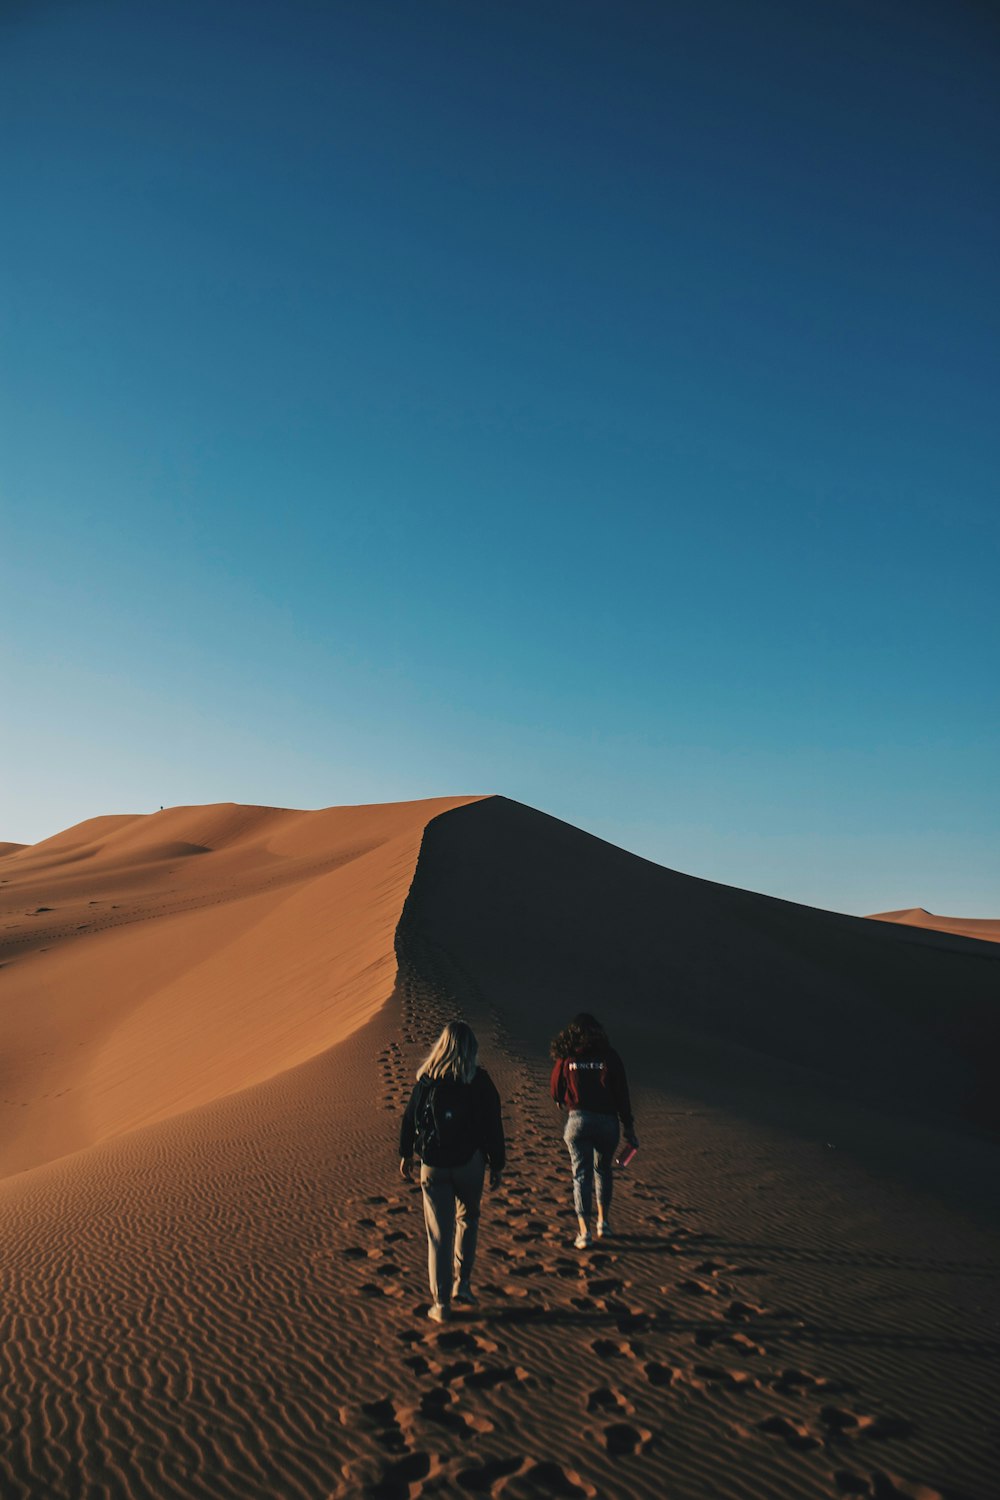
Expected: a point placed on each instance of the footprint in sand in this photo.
(695, 1288)
(838, 1423)
(460, 1338)
(530, 1268)
(381, 1415)
(441, 1406)
(455, 1372)
(730, 1380)
(606, 1398)
(742, 1342)
(622, 1439)
(516, 1289)
(395, 1482)
(488, 1376)
(549, 1478)
(485, 1478)
(636, 1319)
(612, 1349)
(746, 1312)
(604, 1286)
(795, 1434)
(716, 1269)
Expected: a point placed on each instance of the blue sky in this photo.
(592, 403)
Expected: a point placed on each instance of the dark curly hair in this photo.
(583, 1034)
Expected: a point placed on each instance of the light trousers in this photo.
(451, 1213)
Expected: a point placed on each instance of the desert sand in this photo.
(214, 1277)
(982, 928)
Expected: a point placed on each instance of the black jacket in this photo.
(485, 1126)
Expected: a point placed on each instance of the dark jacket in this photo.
(485, 1132)
(593, 1080)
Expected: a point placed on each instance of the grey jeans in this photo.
(591, 1139)
(451, 1214)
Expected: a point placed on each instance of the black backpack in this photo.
(443, 1117)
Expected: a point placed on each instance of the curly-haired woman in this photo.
(588, 1081)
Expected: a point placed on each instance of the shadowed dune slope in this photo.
(546, 920)
(6, 849)
(983, 929)
(152, 963)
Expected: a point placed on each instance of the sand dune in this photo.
(213, 1277)
(983, 929)
(153, 963)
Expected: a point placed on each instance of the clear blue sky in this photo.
(595, 403)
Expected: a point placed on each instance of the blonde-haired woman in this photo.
(453, 1123)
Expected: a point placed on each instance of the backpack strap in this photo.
(424, 1106)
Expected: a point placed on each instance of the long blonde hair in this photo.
(455, 1055)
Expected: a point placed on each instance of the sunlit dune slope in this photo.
(545, 920)
(981, 928)
(151, 963)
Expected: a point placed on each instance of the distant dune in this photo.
(10, 849)
(983, 929)
(214, 1278)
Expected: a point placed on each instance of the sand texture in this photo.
(983, 929)
(213, 1277)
